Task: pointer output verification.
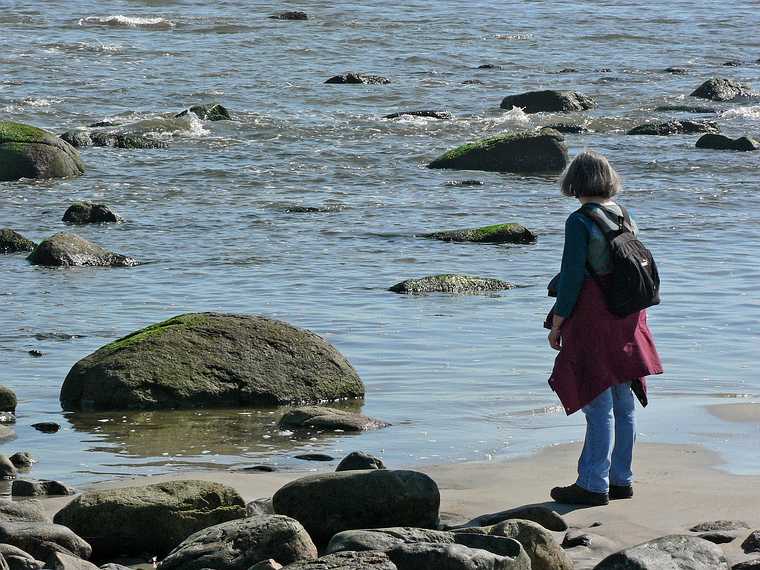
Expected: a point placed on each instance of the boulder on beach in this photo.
(8, 401)
(358, 460)
(211, 359)
(498, 233)
(719, 525)
(89, 213)
(213, 112)
(29, 152)
(675, 128)
(70, 250)
(261, 506)
(17, 559)
(327, 419)
(721, 89)
(292, 15)
(30, 510)
(721, 142)
(549, 101)
(426, 556)
(13, 242)
(328, 503)
(63, 561)
(39, 539)
(44, 488)
(238, 544)
(366, 560)
(674, 551)
(442, 115)
(450, 283)
(687, 109)
(359, 79)
(524, 152)
(114, 521)
(544, 516)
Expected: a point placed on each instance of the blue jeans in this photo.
(600, 463)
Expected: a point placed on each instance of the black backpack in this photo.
(635, 281)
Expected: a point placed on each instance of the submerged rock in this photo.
(568, 128)
(524, 152)
(448, 283)
(687, 109)
(39, 539)
(14, 242)
(675, 128)
(44, 488)
(29, 152)
(211, 359)
(289, 16)
(359, 78)
(8, 401)
(443, 115)
(675, 551)
(549, 101)
(676, 70)
(720, 89)
(47, 427)
(213, 112)
(721, 142)
(498, 233)
(314, 457)
(89, 213)
(69, 250)
(320, 418)
(358, 460)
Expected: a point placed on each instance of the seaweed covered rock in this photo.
(359, 79)
(675, 551)
(89, 213)
(14, 242)
(442, 115)
(721, 142)
(549, 101)
(69, 250)
(449, 283)
(498, 233)
(524, 152)
(214, 112)
(320, 418)
(721, 89)
(114, 521)
(211, 359)
(29, 152)
(675, 128)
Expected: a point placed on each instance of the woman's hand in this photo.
(555, 338)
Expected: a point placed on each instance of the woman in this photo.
(602, 358)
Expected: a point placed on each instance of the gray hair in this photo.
(590, 174)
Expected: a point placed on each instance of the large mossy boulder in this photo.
(549, 101)
(721, 142)
(497, 233)
(29, 152)
(449, 283)
(114, 521)
(524, 152)
(211, 359)
(70, 250)
(721, 89)
(14, 242)
(675, 551)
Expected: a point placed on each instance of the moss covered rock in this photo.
(327, 419)
(8, 399)
(14, 242)
(211, 359)
(549, 100)
(69, 250)
(525, 152)
(29, 152)
(721, 89)
(498, 233)
(89, 213)
(151, 518)
(213, 112)
(721, 142)
(448, 283)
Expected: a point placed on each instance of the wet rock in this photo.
(22, 460)
(687, 109)
(675, 128)
(214, 112)
(489, 66)
(732, 63)
(7, 418)
(47, 427)
(719, 525)
(36, 354)
(89, 213)
(261, 506)
(676, 70)
(22, 511)
(443, 115)
(29, 152)
(359, 78)
(525, 152)
(61, 561)
(8, 399)
(211, 359)
(544, 516)
(472, 82)
(261, 468)
(329, 503)
(675, 551)
(290, 16)
(454, 557)
(125, 140)
(499, 233)
(39, 539)
(236, 545)
(78, 138)
(575, 538)
(346, 561)
(358, 460)
(172, 511)
(105, 124)
(720, 89)
(568, 128)
(44, 488)
(69, 250)
(747, 565)
(568, 70)
(267, 564)
(315, 457)
(549, 101)
(465, 183)
(458, 284)
(718, 536)
(7, 469)
(721, 142)
(14, 242)
(752, 543)
(327, 419)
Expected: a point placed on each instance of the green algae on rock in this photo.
(211, 360)
(524, 152)
(29, 152)
(69, 250)
(450, 283)
(14, 242)
(498, 233)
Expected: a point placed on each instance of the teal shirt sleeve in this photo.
(573, 271)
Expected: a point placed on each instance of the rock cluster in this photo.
(721, 142)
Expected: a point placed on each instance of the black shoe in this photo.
(575, 495)
(621, 492)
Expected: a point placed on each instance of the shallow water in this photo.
(461, 378)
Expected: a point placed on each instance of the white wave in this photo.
(121, 21)
(749, 112)
(32, 102)
(515, 116)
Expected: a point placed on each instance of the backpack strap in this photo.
(610, 223)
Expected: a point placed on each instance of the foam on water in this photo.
(121, 21)
(748, 112)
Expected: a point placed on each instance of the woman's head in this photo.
(590, 174)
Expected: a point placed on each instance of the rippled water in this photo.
(461, 378)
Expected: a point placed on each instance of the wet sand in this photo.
(745, 412)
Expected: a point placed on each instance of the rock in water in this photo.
(125, 140)
(568, 128)
(29, 152)
(318, 418)
(346, 561)
(499, 233)
(8, 400)
(458, 284)
(289, 16)
(237, 545)
(549, 101)
(720, 89)
(359, 79)
(442, 115)
(675, 128)
(687, 109)
(69, 250)
(328, 503)
(721, 142)
(89, 213)
(13, 242)
(676, 551)
(215, 112)
(40, 539)
(203, 359)
(47, 427)
(525, 152)
(358, 460)
(78, 138)
(114, 521)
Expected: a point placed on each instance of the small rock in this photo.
(47, 427)
(324, 419)
(710, 526)
(568, 128)
(44, 488)
(289, 16)
(89, 213)
(499, 233)
(549, 101)
(8, 399)
(732, 63)
(489, 66)
(261, 506)
(214, 112)
(720, 89)
(260, 468)
(675, 551)
(442, 115)
(676, 70)
(61, 561)
(721, 142)
(544, 516)
(268, 564)
(7, 469)
(718, 536)
(315, 457)
(456, 284)
(465, 183)
(687, 109)
(472, 82)
(358, 460)
(568, 70)
(604, 70)
(104, 124)
(22, 460)
(29, 510)
(69, 250)
(675, 128)
(423, 556)
(36, 353)
(748, 565)
(544, 552)
(14, 242)
(78, 138)
(752, 543)
(575, 538)
(359, 78)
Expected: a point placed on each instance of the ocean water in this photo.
(460, 377)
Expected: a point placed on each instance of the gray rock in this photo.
(112, 566)
(261, 506)
(359, 79)
(544, 516)
(22, 511)
(293, 15)
(358, 460)
(213, 112)
(524, 152)
(329, 503)
(89, 213)
(449, 283)
(720, 142)
(24, 488)
(675, 128)
(575, 538)
(8, 400)
(267, 564)
(211, 359)
(13, 242)
(260, 468)
(499, 233)
(720, 89)
(346, 561)
(61, 561)
(125, 140)
(549, 101)
(719, 525)
(718, 536)
(327, 419)
(47, 427)
(752, 543)
(674, 552)
(687, 109)
(78, 138)
(29, 152)
(17, 559)
(114, 520)
(7, 468)
(454, 557)
(442, 115)
(39, 539)
(69, 250)
(237, 545)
